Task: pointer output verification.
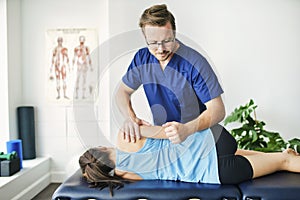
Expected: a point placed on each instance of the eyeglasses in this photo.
(165, 43)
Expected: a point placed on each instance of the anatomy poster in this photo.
(72, 65)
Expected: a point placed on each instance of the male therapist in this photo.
(181, 87)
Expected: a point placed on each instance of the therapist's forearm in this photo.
(214, 114)
(202, 122)
(123, 102)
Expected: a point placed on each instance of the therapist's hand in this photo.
(131, 129)
(175, 131)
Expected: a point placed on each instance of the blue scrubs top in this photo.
(178, 92)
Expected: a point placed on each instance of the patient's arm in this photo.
(146, 132)
(156, 132)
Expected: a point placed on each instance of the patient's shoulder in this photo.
(123, 145)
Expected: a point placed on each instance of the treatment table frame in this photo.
(277, 186)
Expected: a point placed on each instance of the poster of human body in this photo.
(72, 66)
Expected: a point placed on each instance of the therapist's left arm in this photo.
(177, 132)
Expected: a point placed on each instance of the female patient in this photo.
(208, 156)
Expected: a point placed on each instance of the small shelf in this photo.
(33, 177)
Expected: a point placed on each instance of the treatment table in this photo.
(277, 186)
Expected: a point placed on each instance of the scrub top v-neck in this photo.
(178, 92)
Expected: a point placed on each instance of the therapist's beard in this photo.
(166, 55)
(169, 53)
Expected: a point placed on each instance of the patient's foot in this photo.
(291, 151)
(292, 160)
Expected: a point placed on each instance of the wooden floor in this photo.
(46, 194)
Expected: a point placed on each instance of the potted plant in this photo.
(252, 134)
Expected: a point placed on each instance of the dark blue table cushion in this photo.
(277, 186)
(75, 188)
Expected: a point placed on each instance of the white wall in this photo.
(59, 133)
(253, 45)
(15, 66)
(10, 78)
(4, 102)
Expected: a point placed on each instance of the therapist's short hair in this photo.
(157, 15)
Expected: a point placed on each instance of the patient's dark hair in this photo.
(96, 167)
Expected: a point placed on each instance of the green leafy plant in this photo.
(252, 134)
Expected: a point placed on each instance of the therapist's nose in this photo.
(160, 47)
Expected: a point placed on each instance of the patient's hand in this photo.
(176, 132)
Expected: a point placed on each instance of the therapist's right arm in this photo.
(130, 122)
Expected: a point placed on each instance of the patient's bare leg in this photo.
(266, 163)
(244, 152)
